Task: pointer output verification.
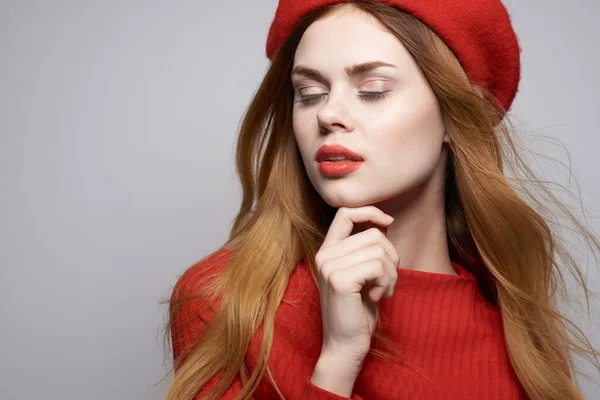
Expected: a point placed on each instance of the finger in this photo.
(359, 241)
(375, 293)
(353, 280)
(346, 217)
(362, 256)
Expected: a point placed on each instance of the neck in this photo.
(418, 232)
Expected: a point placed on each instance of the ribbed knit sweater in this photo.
(452, 337)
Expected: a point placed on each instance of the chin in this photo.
(338, 200)
(382, 201)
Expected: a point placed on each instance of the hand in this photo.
(354, 272)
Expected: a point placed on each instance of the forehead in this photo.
(348, 35)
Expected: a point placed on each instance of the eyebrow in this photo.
(352, 70)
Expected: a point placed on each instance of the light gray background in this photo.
(117, 127)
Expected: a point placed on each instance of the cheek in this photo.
(302, 135)
(411, 139)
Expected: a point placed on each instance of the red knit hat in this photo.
(479, 32)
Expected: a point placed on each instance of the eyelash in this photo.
(368, 96)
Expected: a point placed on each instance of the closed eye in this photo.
(368, 96)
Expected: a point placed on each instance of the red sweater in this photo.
(442, 323)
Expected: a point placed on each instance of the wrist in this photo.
(336, 374)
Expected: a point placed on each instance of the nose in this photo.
(334, 114)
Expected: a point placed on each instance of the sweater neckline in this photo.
(463, 274)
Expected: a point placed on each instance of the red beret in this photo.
(479, 32)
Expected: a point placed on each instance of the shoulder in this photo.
(190, 311)
(201, 272)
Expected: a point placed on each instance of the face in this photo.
(387, 114)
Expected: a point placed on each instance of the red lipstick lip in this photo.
(336, 150)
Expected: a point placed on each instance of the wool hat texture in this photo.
(479, 33)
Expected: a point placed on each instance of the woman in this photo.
(380, 251)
